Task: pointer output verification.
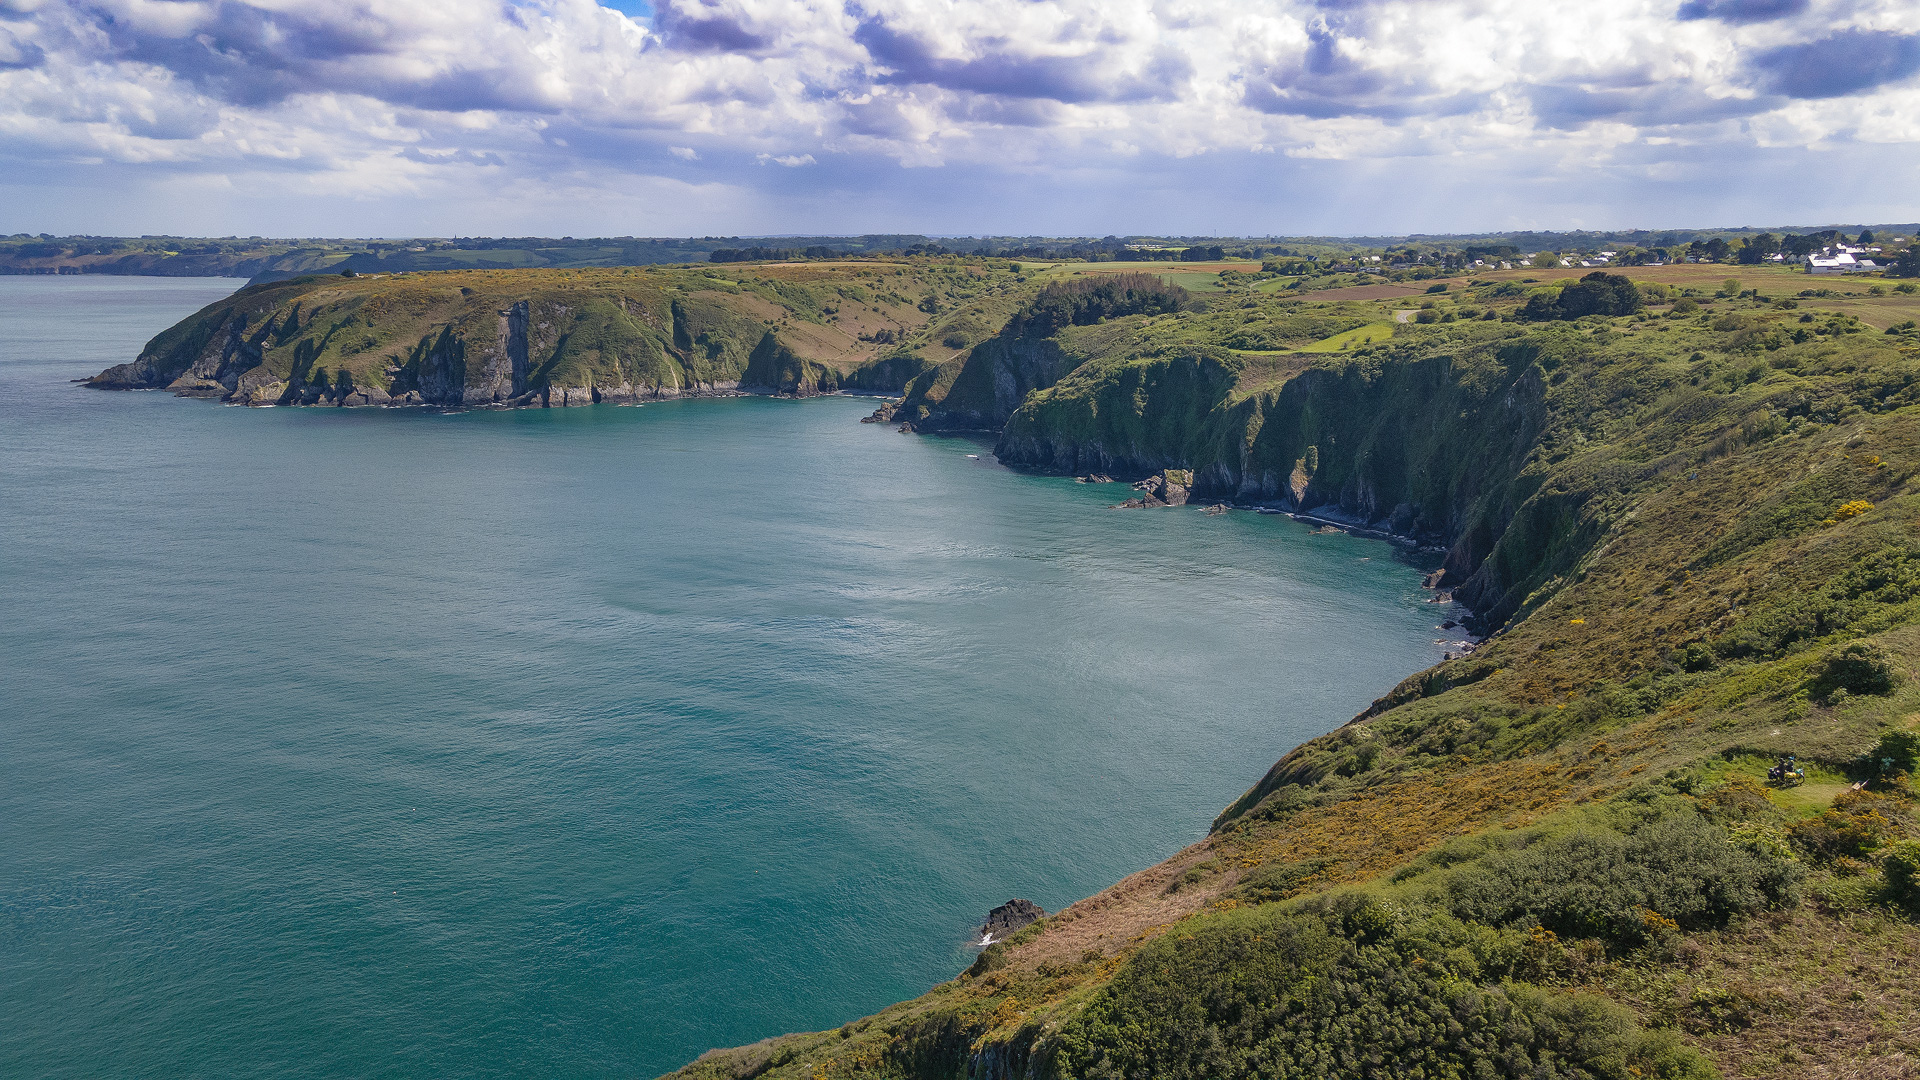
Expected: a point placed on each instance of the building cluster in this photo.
(1839, 259)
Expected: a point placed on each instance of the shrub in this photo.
(1859, 667)
(1901, 868)
(1355, 989)
(1685, 306)
(1850, 829)
(991, 958)
(1596, 883)
(1899, 750)
(1739, 799)
(1277, 880)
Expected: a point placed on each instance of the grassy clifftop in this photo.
(1696, 531)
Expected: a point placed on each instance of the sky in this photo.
(953, 117)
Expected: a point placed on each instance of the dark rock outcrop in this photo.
(1168, 487)
(1009, 917)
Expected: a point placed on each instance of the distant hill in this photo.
(262, 259)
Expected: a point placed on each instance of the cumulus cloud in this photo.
(381, 96)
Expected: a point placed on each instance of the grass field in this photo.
(1352, 339)
(1851, 295)
(1386, 290)
(1195, 277)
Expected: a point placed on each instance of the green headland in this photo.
(1683, 510)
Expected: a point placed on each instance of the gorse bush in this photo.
(1899, 749)
(1600, 883)
(1856, 824)
(1862, 595)
(1901, 868)
(1859, 667)
(1353, 990)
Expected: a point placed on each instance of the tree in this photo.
(1545, 260)
(1866, 237)
(1717, 249)
(1758, 248)
(1907, 263)
(1598, 293)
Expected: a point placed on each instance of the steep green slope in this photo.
(1698, 540)
(563, 337)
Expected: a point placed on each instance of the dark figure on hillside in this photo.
(1786, 772)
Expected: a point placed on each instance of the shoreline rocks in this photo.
(1009, 918)
(1168, 487)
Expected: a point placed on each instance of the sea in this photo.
(575, 742)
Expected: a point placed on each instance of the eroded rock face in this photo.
(1168, 487)
(1010, 917)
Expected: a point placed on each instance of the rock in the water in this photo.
(1009, 917)
(1166, 488)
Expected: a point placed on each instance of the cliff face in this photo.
(1127, 416)
(1063, 327)
(1404, 440)
(775, 368)
(982, 388)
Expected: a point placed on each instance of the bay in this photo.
(575, 742)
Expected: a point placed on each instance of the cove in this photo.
(575, 742)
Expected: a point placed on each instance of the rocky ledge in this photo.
(1012, 916)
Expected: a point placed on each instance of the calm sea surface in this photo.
(571, 743)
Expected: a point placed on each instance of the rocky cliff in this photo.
(1038, 345)
(545, 337)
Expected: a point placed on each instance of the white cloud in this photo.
(376, 98)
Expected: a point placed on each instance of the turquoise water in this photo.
(571, 743)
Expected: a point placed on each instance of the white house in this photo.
(1841, 262)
